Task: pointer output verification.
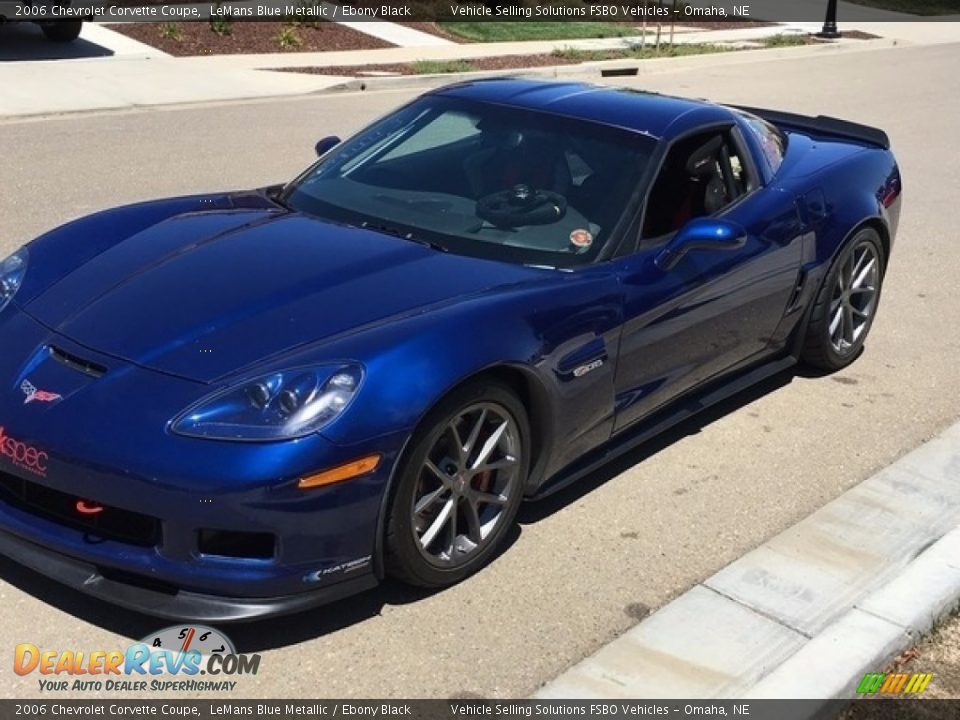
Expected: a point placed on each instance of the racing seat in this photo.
(690, 185)
(708, 190)
(509, 157)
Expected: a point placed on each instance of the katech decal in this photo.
(346, 567)
(33, 393)
(23, 455)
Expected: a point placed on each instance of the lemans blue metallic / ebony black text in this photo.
(239, 404)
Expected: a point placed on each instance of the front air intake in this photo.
(232, 544)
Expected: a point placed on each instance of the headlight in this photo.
(12, 271)
(279, 406)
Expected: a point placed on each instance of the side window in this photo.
(772, 142)
(701, 175)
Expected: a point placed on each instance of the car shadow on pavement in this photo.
(533, 512)
(25, 41)
(262, 635)
(252, 636)
(267, 634)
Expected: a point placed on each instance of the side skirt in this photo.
(684, 409)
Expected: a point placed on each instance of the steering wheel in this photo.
(521, 205)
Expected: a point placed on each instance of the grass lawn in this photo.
(917, 7)
(574, 55)
(433, 67)
(785, 40)
(508, 31)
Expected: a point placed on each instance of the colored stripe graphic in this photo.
(894, 683)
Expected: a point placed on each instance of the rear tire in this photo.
(62, 31)
(846, 305)
(459, 488)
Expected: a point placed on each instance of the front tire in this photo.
(460, 486)
(62, 31)
(846, 305)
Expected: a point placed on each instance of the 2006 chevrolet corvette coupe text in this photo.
(246, 403)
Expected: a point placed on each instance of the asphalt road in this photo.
(588, 564)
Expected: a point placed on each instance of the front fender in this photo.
(563, 334)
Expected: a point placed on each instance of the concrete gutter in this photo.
(808, 613)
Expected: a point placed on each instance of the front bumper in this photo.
(178, 605)
(106, 444)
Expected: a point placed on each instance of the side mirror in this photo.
(326, 144)
(701, 234)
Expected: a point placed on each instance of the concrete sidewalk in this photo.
(33, 88)
(399, 35)
(141, 77)
(806, 614)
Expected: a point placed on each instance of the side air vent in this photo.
(74, 362)
(797, 292)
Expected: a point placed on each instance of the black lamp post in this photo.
(829, 30)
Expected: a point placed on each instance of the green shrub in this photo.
(434, 67)
(288, 38)
(171, 31)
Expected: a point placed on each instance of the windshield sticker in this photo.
(581, 238)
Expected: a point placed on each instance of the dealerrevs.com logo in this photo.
(24, 456)
(187, 658)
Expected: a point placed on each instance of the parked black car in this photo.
(53, 17)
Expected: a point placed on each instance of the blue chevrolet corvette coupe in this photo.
(247, 403)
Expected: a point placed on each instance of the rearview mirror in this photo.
(701, 234)
(327, 143)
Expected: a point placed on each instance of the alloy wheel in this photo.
(854, 298)
(465, 483)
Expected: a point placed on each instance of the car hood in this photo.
(206, 294)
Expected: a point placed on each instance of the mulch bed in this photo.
(501, 62)
(197, 38)
(859, 35)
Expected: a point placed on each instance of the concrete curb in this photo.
(807, 614)
(596, 69)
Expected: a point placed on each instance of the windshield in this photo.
(481, 179)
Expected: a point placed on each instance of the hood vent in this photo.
(74, 362)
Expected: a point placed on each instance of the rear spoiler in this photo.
(823, 125)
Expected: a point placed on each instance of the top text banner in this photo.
(627, 11)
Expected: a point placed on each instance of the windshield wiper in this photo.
(396, 232)
(282, 203)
